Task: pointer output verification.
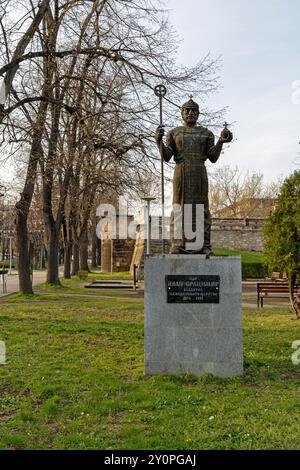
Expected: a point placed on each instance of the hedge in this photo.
(5, 263)
(254, 271)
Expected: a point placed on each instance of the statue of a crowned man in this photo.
(191, 145)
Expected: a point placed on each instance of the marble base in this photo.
(195, 338)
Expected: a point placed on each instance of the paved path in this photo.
(13, 282)
(250, 296)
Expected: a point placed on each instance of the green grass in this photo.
(5, 263)
(125, 275)
(247, 256)
(75, 285)
(74, 379)
(252, 263)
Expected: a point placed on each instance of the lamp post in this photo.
(161, 91)
(148, 200)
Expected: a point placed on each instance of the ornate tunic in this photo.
(191, 147)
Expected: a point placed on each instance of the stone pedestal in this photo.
(191, 335)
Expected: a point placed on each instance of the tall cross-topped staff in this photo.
(160, 91)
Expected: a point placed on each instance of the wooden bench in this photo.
(272, 289)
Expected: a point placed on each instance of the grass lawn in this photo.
(247, 256)
(74, 380)
(76, 283)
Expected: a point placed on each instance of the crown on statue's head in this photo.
(190, 104)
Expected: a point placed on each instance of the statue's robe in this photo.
(191, 147)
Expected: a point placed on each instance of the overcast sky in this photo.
(260, 43)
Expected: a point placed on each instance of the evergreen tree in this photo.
(282, 236)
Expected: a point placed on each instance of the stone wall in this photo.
(238, 234)
(116, 254)
(235, 234)
(122, 251)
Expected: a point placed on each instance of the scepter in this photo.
(160, 91)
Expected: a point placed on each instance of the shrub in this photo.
(254, 271)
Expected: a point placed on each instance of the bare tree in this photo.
(82, 106)
(20, 48)
(234, 193)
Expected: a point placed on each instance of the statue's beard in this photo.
(191, 120)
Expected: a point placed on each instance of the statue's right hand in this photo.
(160, 132)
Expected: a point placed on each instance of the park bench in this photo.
(272, 289)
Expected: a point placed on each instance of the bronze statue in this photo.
(191, 145)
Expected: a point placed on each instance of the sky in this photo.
(259, 42)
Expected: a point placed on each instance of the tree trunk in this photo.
(84, 251)
(294, 299)
(75, 264)
(297, 304)
(61, 255)
(67, 260)
(23, 205)
(43, 263)
(22, 210)
(52, 244)
(25, 281)
(52, 266)
(94, 249)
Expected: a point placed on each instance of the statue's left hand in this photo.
(226, 136)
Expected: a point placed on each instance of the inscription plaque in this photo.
(193, 289)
